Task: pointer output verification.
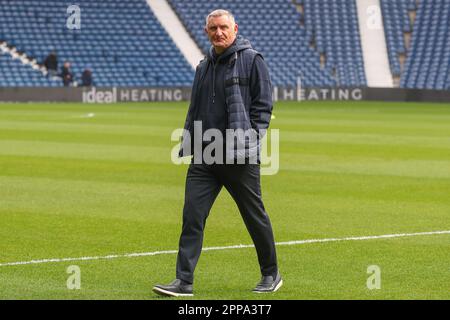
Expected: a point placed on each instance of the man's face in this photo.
(221, 32)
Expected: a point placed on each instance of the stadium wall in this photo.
(140, 94)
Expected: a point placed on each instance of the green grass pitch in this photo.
(94, 180)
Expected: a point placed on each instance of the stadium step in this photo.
(373, 44)
(22, 57)
(173, 26)
(26, 60)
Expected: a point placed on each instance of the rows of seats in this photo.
(125, 45)
(396, 22)
(14, 74)
(428, 60)
(122, 42)
(274, 29)
(333, 26)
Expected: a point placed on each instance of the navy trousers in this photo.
(203, 184)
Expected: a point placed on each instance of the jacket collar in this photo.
(239, 44)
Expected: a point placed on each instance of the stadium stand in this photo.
(119, 51)
(14, 73)
(428, 60)
(396, 23)
(315, 40)
(334, 25)
(283, 41)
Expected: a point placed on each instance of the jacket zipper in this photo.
(214, 82)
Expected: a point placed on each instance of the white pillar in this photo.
(373, 44)
(173, 26)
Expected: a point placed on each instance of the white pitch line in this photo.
(240, 246)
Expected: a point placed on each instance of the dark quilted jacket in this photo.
(244, 111)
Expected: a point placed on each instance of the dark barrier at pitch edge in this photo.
(171, 94)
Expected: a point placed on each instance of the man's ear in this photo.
(236, 27)
(206, 30)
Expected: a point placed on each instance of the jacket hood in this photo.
(238, 45)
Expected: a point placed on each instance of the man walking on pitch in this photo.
(231, 90)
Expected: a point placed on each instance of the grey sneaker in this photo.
(177, 288)
(269, 284)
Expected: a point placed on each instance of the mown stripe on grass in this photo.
(366, 138)
(438, 169)
(87, 126)
(86, 151)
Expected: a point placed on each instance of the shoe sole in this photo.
(275, 289)
(166, 293)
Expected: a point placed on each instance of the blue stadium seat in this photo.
(107, 41)
(396, 22)
(284, 42)
(428, 60)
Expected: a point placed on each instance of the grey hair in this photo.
(219, 13)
